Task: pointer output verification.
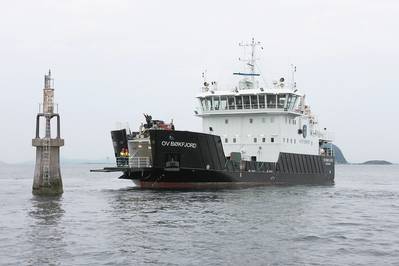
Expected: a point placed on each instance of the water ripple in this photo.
(104, 221)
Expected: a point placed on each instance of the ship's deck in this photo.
(109, 169)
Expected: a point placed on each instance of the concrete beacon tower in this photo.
(47, 179)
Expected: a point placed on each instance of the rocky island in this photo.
(377, 162)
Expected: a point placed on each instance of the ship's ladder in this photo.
(46, 156)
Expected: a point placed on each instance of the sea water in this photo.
(100, 220)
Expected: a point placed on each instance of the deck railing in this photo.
(122, 161)
(139, 162)
(133, 162)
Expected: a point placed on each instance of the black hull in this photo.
(182, 159)
(190, 179)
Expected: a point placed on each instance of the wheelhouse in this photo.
(276, 101)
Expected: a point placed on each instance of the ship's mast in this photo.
(250, 61)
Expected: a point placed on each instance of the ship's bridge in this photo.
(259, 122)
(279, 100)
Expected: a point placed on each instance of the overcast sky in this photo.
(114, 60)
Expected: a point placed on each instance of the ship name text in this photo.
(180, 144)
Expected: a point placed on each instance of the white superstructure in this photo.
(260, 122)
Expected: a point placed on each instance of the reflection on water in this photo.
(135, 199)
(46, 210)
(45, 236)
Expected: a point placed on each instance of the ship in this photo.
(252, 135)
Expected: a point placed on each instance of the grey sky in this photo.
(114, 60)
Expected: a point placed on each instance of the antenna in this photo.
(204, 75)
(205, 84)
(293, 70)
(250, 61)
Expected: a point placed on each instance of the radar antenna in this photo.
(250, 62)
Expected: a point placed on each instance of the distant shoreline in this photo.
(373, 162)
(377, 162)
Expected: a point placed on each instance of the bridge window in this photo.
(216, 103)
(291, 101)
(231, 102)
(238, 102)
(246, 102)
(262, 101)
(226, 140)
(272, 140)
(223, 103)
(209, 104)
(263, 139)
(255, 140)
(294, 100)
(226, 121)
(281, 100)
(254, 101)
(234, 140)
(295, 103)
(251, 120)
(203, 104)
(271, 100)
